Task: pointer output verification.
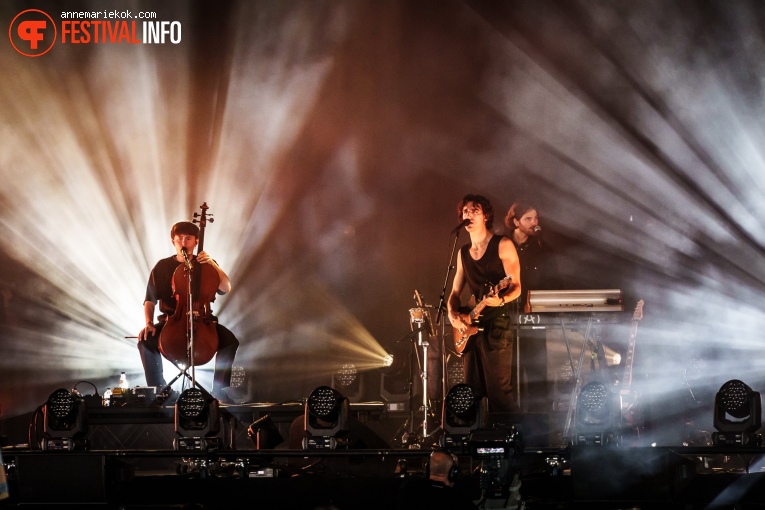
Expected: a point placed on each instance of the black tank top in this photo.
(485, 272)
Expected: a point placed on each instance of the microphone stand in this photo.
(191, 331)
(442, 327)
(449, 267)
(422, 340)
(421, 328)
(410, 437)
(190, 334)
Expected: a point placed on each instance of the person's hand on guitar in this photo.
(458, 323)
(494, 300)
(465, 325)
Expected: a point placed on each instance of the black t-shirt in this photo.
(538, 271)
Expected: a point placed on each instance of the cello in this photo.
(189, 336)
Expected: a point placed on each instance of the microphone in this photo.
(464, 223)
(186, 258)
(537, 229)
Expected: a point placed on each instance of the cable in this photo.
(74, 389)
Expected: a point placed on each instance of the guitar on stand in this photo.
(568, 309)
(632, 418)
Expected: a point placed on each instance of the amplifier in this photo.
(533, 320)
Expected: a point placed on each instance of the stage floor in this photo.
(592, 477)
(127, 459)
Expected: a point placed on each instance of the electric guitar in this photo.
(462, 335)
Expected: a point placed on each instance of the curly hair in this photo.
(486, 207)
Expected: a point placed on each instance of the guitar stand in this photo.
(413, 438)
(420, 327)
(577, 371)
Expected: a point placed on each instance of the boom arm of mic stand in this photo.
(414, 333)
(449, 267)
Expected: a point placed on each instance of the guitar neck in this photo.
(475, 312)
(630, 357)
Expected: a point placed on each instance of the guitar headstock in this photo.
(638, 315)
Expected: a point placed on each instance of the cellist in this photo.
(184, 235)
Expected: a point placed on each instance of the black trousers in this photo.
(488, 365)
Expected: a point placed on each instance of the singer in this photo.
(537, 268)
(184, 237)
(538, 272)
(481, 264)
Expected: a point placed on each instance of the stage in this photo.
(126, 459)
